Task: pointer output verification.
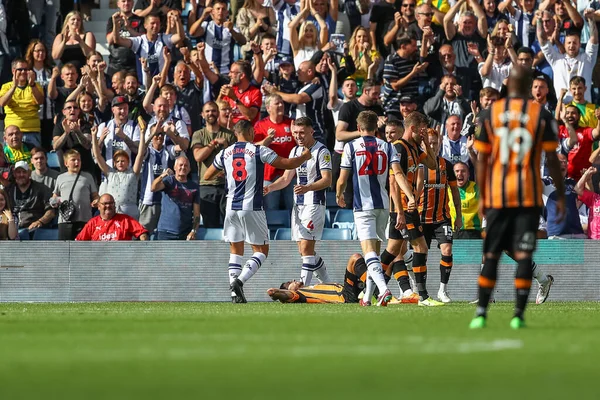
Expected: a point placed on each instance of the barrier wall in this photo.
(197, 271)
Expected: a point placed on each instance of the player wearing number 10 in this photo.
(369, 159)
(514, 133)
(245, 219)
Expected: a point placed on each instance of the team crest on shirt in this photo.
(327, 158)
(286, 129)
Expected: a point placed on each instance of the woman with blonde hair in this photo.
(306, 42)
(254, 20)
(364, 55)
(8, 225)
(38, 59)
(73, 44)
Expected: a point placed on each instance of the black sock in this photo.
(445, 268)
(523, 285)
(401, 275)
(487, 281)
(386, 259)
(420, 271)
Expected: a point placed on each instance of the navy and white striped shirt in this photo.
(219, 45)
(314, 109)
(310, 172)
(285, 13)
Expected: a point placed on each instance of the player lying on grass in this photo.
(354, 283)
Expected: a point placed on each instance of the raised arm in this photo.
(573, 13)
(293, 26)
(282, 182)
(206, 70)
(139, 158)
(98, 154)
(482, 26)
(196, 29)
(449, 27)
(149, 97)
(291, 163)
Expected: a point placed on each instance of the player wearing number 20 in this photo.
(245, 219)
(369, 159)
(515, 132)
(308, 215)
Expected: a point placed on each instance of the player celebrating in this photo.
(369, 159)
(406, 223)
(245, 218)
(434, 209)
(514, 133)
(308, 215)
(354, 279)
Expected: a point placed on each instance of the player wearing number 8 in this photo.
(515, 132)
(369, 159)
(245, 219)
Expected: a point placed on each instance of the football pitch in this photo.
(272, 350)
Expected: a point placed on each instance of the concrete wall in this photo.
(197, 271)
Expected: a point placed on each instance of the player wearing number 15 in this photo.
(368, 159)
(245, 219)
(515, 132)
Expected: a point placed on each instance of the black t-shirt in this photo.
(171, 4)
(463, 58)
(382, 14)
(439, 37)
(87, 162)
(120, 57)
(350, 111)
(59, 102)
(190, 97)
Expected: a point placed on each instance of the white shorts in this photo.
(308, 222)
(371, 224)
(246, 226)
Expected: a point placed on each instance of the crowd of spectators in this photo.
(145, 124)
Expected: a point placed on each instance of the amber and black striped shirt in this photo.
(515, 132)
(433, 204)
(410, 158)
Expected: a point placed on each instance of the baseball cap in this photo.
(406, 99)
(22, 164)
(285, 60)
(118, 100)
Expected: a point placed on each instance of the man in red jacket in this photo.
(110, 226)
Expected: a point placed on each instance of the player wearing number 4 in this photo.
(308, 215)
(515, 131)
(369, 159)
(245, 219)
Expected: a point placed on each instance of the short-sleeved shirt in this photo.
(48, 179)
(348, 113)
(314, 108)
(592, 200)
(123, 186)
(244, 165)
(82, 195)
(587, 113)
(394, 69)
(31, 205)
(151, 51)
(177, 205)
(121, 57)
(310, 172)
(282, 143)
(112, 143)
(119, 227)
(87, 161)
(369, 158)
(410, 157)
(219, 45)
(250, 98)
(579, 155)
(571, 224)
(22, 109)
(433, 204)
(15, 155)
(202, 138)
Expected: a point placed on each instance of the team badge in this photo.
(327, 158)
(287, 129)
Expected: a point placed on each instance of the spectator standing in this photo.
(363, 54)
(448, 101)
(74, 133)
(73, 44)
(31, 200)
(244, 98)
(21, 99)
(469, 204)
(119, 57)
(382, 15)
(206, 144)
(309, 39)
(589, 196)
(327, 10)
(577, 142)
(189, 91)
(41, 173)
(8, 225)
(69, 77)
(84, 195)
(180, 204)
(521, 14)
(111, 225)
(456, 147)
(176, 137)
(254, 20)
(120, 133)
(275, 132)
(285, 11)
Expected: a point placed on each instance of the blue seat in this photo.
(344, 215)
(330, 201)
(278, 219)
(337, 234)
(45, 234)
(283, 234)
(53, 161)
(327, 219)
(209, 234)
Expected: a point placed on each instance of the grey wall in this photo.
(197, 271)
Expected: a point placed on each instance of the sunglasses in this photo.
(429, 14)
(21, 69)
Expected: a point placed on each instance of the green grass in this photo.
(261, 351)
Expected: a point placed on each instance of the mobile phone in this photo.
(338, 39)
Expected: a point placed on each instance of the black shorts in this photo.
(413, 229)
(467, 234)
(511, 229)
(441, 231)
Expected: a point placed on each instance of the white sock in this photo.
(407, 293)
(369, 288)
(251, 266)
(321, 270)
(539, 274)
(235, 268)
(443, 286)
(376, 271)
(308, 266)
(411, 278)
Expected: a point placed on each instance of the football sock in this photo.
(420, 271)
(539, 274)
(308, 267)
(369, 288)
(401, 275)
(321, 270)
(445, 269)
(235, 268)
(251, 266)
(386, 259)
(522, 285)
(487, 282)
(375, 271)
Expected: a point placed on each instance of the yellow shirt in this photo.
(588, 116)
(469, 206)
(441, 5)
(22, 109)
